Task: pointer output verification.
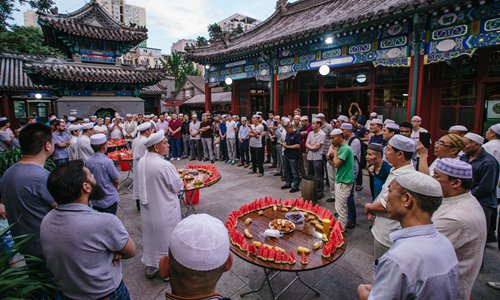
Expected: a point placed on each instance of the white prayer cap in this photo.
(3, 119)
(128, 115)
(107, 118)
(377, 121)
(71, 119)
(155, 138)
(88, 125)
(304, 118)
(194, 116)
(420, 183)
(98, 139)
(258, 113)
(320, 115)
(373, 114)
(347, 126)
(336, 132)
(496, 128)
(254, 116)
(99, 119)
(458, 128)
(286, 121)
(474, 137)
(74, 127)
(86, 120)
(316, 120)
(200, 242)
(388, 121)
(93, 116)
(276, 118)
(243, 118)
(334, 120)
(144, 126)
(152, 115)
(392, 126)
(402, 143)
(51, 118)
(343, 118)
(235, 116)
(416, 118)
(224, 116)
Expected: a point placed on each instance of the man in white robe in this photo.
(159, 184)
(138, 151)
(74, 130)
(83, 148)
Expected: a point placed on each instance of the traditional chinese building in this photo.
(91, 78)
(438, 59)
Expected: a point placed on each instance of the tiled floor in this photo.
(337, 281)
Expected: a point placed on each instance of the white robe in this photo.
(138, 151)
(72, 148)
(84, 150)
(159, 183)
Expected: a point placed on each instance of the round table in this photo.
(304, 235)
(188, 192)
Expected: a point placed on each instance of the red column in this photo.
(5, 107)
(276, 94)
(235, 107)
(208, 97)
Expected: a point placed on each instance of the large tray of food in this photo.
(316, 239)
(112, 143)
(119, 155)
(199, 176)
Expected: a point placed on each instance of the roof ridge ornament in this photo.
(281, 5)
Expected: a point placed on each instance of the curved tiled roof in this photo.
(301, 19)
(80, 72)
(12, 76)
(92, 21)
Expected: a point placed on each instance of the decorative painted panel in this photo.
(247, 68)
(459, 32)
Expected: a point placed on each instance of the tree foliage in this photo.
(215, 32)
(26, 40)
(7, 8)
(179, 67)
(239, 29)
(201, 41)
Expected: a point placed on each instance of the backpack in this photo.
(364, 147)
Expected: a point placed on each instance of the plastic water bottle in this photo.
(6, 241)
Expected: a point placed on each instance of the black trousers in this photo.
(491, 222)
(110, 209)
(223, 149)
(257, 159)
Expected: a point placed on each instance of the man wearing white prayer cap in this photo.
(83, 148)
(485, 171)
(398, 153)
(74, 131)
(421, 263)
(199, 254)
(461, 219)
(105, 174)
(138, 151)
(458, 129)
(372, 116)
(159, 184)
(416, 121)
(377, 137)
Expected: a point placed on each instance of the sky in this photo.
(171, 20)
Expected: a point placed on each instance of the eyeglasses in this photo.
(404, 131)
(442, 144)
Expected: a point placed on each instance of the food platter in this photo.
(120, 155)
(198, 176)
(112, 143)
(315, 242)
(284, 226)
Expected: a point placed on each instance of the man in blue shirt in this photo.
(485, 175)
(222, 133)
(243, 142)
(378, 168)
(105, 173)
(62, 141)
(421, 263)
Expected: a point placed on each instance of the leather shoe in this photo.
(286, 186)
(294, 190)
(151, 272)
(277, 174)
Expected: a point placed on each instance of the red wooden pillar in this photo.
(235, 107)
(208, 97)
(5, 107)
(276, 94)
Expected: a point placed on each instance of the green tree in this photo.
(201, 41)
(179, 67)
(7, 7)
(215, 32)
(239, 29)
(26, 40)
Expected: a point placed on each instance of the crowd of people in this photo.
(431, 222)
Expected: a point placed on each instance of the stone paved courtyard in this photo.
(337, 281)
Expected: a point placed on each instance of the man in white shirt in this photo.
(116, 129)
(314, 144)
(129, 129)
(83, 148)
(461, 219)
(100, 127)
(416, 121)
(195, 138)
(231, 138)
(398, 153)
(256, 130)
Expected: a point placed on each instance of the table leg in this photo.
(268, 279)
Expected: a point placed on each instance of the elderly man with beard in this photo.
(83, 247)
(159, 184)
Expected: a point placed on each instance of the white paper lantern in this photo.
(324, 70)
(229, 81)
